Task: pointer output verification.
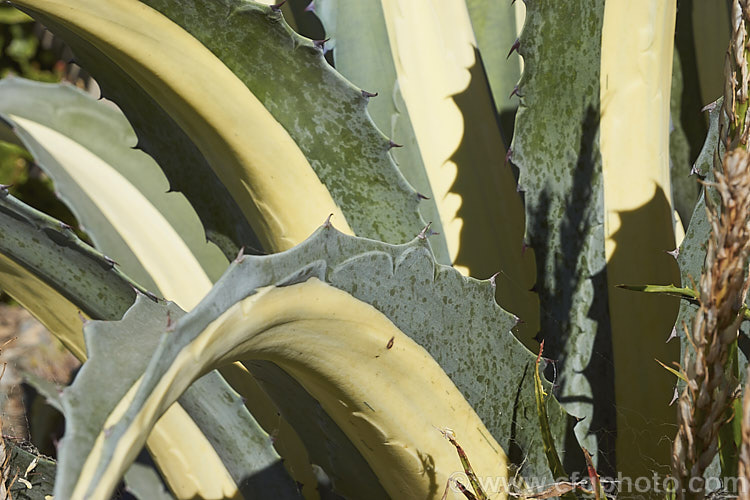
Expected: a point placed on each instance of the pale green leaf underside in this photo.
(159, 135)
(83, 279)
(494, 26)
(359, 39)
(491, 234)
(454, 318)
(118, 194)
(214, 406)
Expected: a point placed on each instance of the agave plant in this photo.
(282, 295)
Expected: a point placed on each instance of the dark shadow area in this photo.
(514, 451)
(566, 253)
(306, 23)
(491, 209)
(641, 325)
(303, 21)
(691, 117)
(257, 485)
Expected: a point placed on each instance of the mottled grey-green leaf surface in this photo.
(104, 132)
(55, 255)
(556, 148)
(158, 134)
(454, 318)
(323, 112)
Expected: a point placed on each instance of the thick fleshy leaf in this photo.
(473, 344)
(344, 166)
(144, 484)
(312, 101)
(357, 33)
(49, 271)
(26, 475)
(232, 129)
(556, 150)
(496, 30)
(136, 336)
(119, 195)
(639, 224)
(439, 104)
(685, 189)
(572, 93)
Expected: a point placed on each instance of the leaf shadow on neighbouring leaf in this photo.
(491, 209)
(558, 305)
(641, 325)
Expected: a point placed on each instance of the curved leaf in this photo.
(440, 107)
(324, 113)
(393, 424)
(49, 271)
(209, 103)
(474, 345)
(118, 194)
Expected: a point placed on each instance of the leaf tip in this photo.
(367, 94)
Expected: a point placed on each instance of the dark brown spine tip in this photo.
(152, 296)
(369, 94)
(392, 144)
(240, 255)
(109, 261)
(508, 155)
(674, 253)
(514, 92)
(320, 44)
(422, 197)
(310, 7)
(5, 187)
(327, 224)
(65, 227)
(514, 47)
(277, 7)
(695, 170)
